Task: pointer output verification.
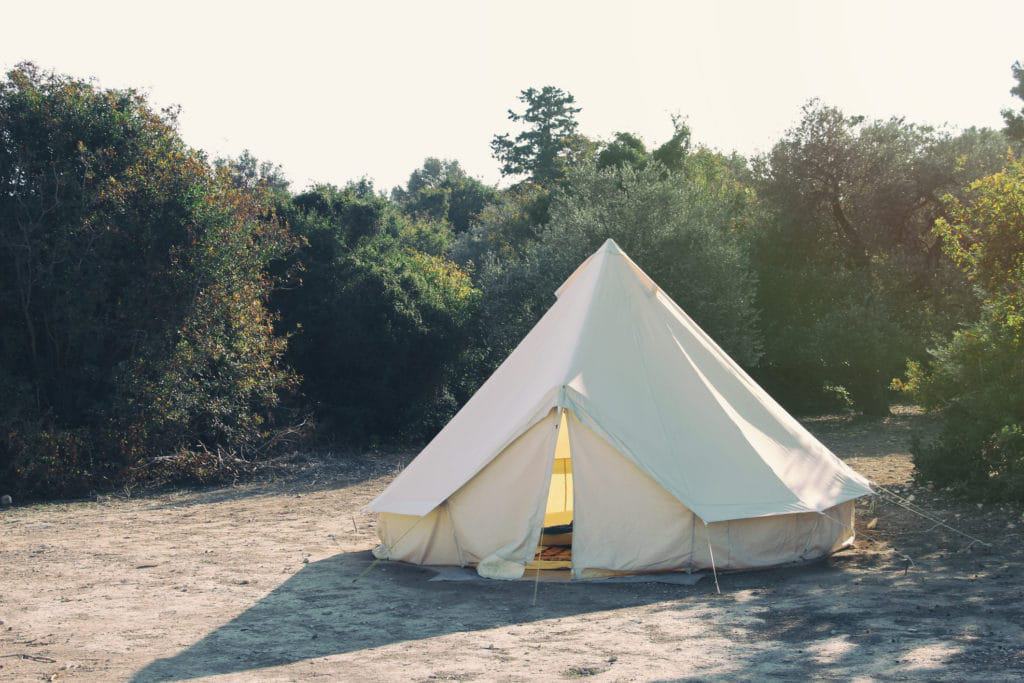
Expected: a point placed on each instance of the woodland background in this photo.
(166, 317)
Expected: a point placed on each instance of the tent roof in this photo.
(616, 350)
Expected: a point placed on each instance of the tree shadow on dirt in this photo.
(782, 615)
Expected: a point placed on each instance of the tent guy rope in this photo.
(909, 506)
(714, 570)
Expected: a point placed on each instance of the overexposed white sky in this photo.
(336, 90)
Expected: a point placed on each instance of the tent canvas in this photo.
(673, 446)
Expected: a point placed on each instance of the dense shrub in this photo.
(132, 291)
(978, 381)
(978, 376)
(379, 317)
(852, 280)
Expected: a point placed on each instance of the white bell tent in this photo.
(619, 415)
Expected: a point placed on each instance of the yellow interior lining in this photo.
(559, 507)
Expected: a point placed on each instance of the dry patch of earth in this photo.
(274, 581)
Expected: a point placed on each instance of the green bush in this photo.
(133, 290)
(977, 380)
(380, 317)
(978, 376)
(851, 280)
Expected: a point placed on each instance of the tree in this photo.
(625, 149)
(133, 289)
(505, 226)
(441, 190)
(548, 144)
(985, 238)
(672, 153)
(817, 161)
(249, 173)
(1015, 119)
(978, 375)
(379, 318)
(847, 239)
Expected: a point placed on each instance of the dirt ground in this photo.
(273, 581)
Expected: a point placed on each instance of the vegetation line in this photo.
(168, 318)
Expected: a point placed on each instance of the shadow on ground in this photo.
(956, 614)
(326, 609)
(774, 615)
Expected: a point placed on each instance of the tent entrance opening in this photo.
(555, 548)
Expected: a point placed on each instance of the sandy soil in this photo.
(273, 581)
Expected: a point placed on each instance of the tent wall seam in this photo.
(647, 385)
(577, 346)
(455, 535)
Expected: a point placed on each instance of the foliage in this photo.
(441, 190)
(672, 153)
(249, 173)
(853, 281)
(164, 318)
(1015, 119)
(985, 238)
(978, 376)
(504, 227)
(133, 284)
(378, 317)
(626, 149)
(977, 379)
(549, 143)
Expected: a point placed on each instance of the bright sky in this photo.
(336, 90)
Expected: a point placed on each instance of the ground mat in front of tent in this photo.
(563, 576)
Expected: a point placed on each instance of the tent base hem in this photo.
(557, 575)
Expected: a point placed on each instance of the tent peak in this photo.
(609, 248)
